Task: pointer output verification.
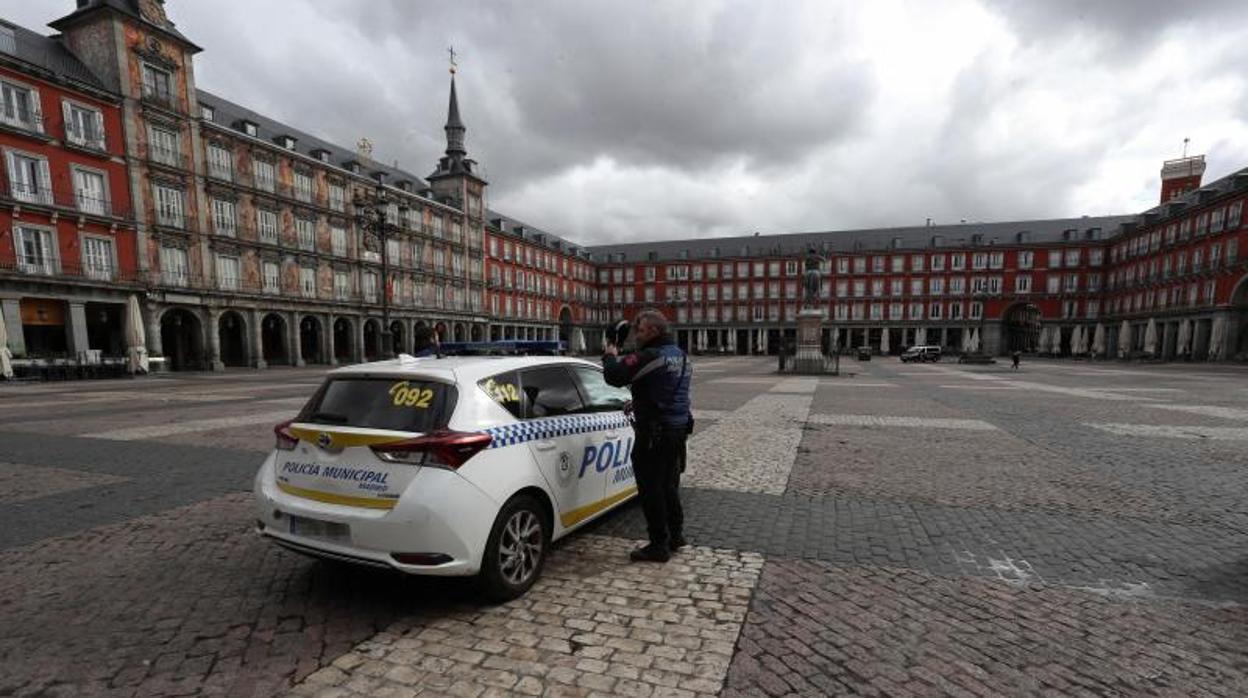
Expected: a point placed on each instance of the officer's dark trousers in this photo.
(658, 457)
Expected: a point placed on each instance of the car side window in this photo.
(505, 390)
(599, 397)
(548, 392)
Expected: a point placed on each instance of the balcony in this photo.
(23, 120)
(160, 96)
(174, 219)
(85, 138)
(63, 198)
(167, 157)
(44, 266)
(224, 173)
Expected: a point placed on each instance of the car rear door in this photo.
(562, 440)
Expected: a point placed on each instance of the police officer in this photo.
(425, 342)
(658, 373)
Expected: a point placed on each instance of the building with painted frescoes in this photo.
(242, 237)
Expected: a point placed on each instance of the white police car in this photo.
(449, 466)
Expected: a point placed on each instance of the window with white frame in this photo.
(98, 258)
(916, 287)
(220, 162)
(877, 264)
(1211, 291)
(916, 311)
(174, 270)
(916, 262)
(370, 287)
(979, 260)
(994, 285)
(157, 84)
(1025, 259)
(877, 287)
(957, 285)
(938, 262)
(272, 277)
(1022, 283)
(342, 285)
(1055, 259)
(307, 282)
(84, 125)
(842, 265)
(305, 233)
(338, 243)
(877, 311)
(303, 186)
(934, 311)
(90, 191)
(860, 265)
(170, 206)
(895, 311)
(1072, 258)
(896, 287)
(36, 250)
(957, 262)
(842, 288)
(223, 217)
(936, 286)
(1094, 282)
(979, 284)
(996, 260)
(1095, 257)
(977, 310)
(860, 288)
(790, 268)
(265, 173)
(164, 145)
(1092, 309)
(227, 272)
(20, 106)
(898, 264)
(1053, 284)
(842, 311)
(858, 311)
(727, 292)
(29, 178)
(955, 311)
(266, 225)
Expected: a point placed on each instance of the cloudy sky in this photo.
(611, 121)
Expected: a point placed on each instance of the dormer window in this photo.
(206, 112)
(353, 167)
(321, 154)
(287, 142)
(250, 128)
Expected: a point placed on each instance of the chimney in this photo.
(1181, 176)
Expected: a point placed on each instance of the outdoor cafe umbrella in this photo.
(1042, 342)
(1081, 340)
(920, 336)
(1057, 341)
(1098, 340)
(974, 343)
(1217, 338)
(1185, 337)
(884, 345)
(6, 368)
(1124, 340)
(1150, 338)
(136, 339)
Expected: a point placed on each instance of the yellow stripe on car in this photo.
(576, 516)
(341, 439)
(343, 499)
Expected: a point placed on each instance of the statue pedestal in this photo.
(809, 355)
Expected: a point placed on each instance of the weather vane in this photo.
(451, 51)
(1185, 140)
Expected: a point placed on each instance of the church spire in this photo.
(454, 127)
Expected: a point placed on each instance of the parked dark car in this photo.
(864, 353)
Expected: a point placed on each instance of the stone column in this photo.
(295, 340)
(357, 352)
(214, 340)
(12, 311)
(257, 340)
(155, 347)
(77, 330)
(327, 340)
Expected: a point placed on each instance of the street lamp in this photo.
(370, 217)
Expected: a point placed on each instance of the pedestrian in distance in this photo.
(425, 342)
(1015, 358)
(658, 374)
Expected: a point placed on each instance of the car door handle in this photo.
(612, 435)
(544, 445)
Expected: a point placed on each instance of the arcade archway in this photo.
(343, 351)
(273, 340)
(232, 339)
(182, 340)
(1021, 326)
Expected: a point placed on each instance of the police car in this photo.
(460, 466)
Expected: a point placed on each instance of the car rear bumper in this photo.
(439, 513)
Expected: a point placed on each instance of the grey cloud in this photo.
(1125, 23)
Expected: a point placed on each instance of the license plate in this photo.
(315, 528)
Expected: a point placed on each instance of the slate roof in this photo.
(231, 115)
(509, 225)
(129, 8)
(49, 54)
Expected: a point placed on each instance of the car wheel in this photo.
(516, 550)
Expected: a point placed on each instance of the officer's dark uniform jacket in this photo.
(659, 375)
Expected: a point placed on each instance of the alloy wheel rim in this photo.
(520, 549)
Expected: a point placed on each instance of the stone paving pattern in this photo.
(885, 551)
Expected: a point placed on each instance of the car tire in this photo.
(521, 528)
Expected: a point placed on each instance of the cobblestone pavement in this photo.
(902, 529)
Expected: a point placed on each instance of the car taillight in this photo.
(286, 441)
(440, 449)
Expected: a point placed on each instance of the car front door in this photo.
(613, 437)
(561, 440)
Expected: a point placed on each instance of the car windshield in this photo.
(397, 404)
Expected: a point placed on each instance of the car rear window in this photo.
(397, 404)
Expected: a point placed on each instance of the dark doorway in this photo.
(181, 340)
(310, 340)
(273, 340)
(231, 331)
(1022, 328)
(396, 336)
(44, 327)
(372, 342)
(342, 340)
(476, 333)
(106, 328)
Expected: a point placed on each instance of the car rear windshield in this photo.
(397, 404)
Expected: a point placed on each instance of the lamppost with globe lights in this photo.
(370, 217)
